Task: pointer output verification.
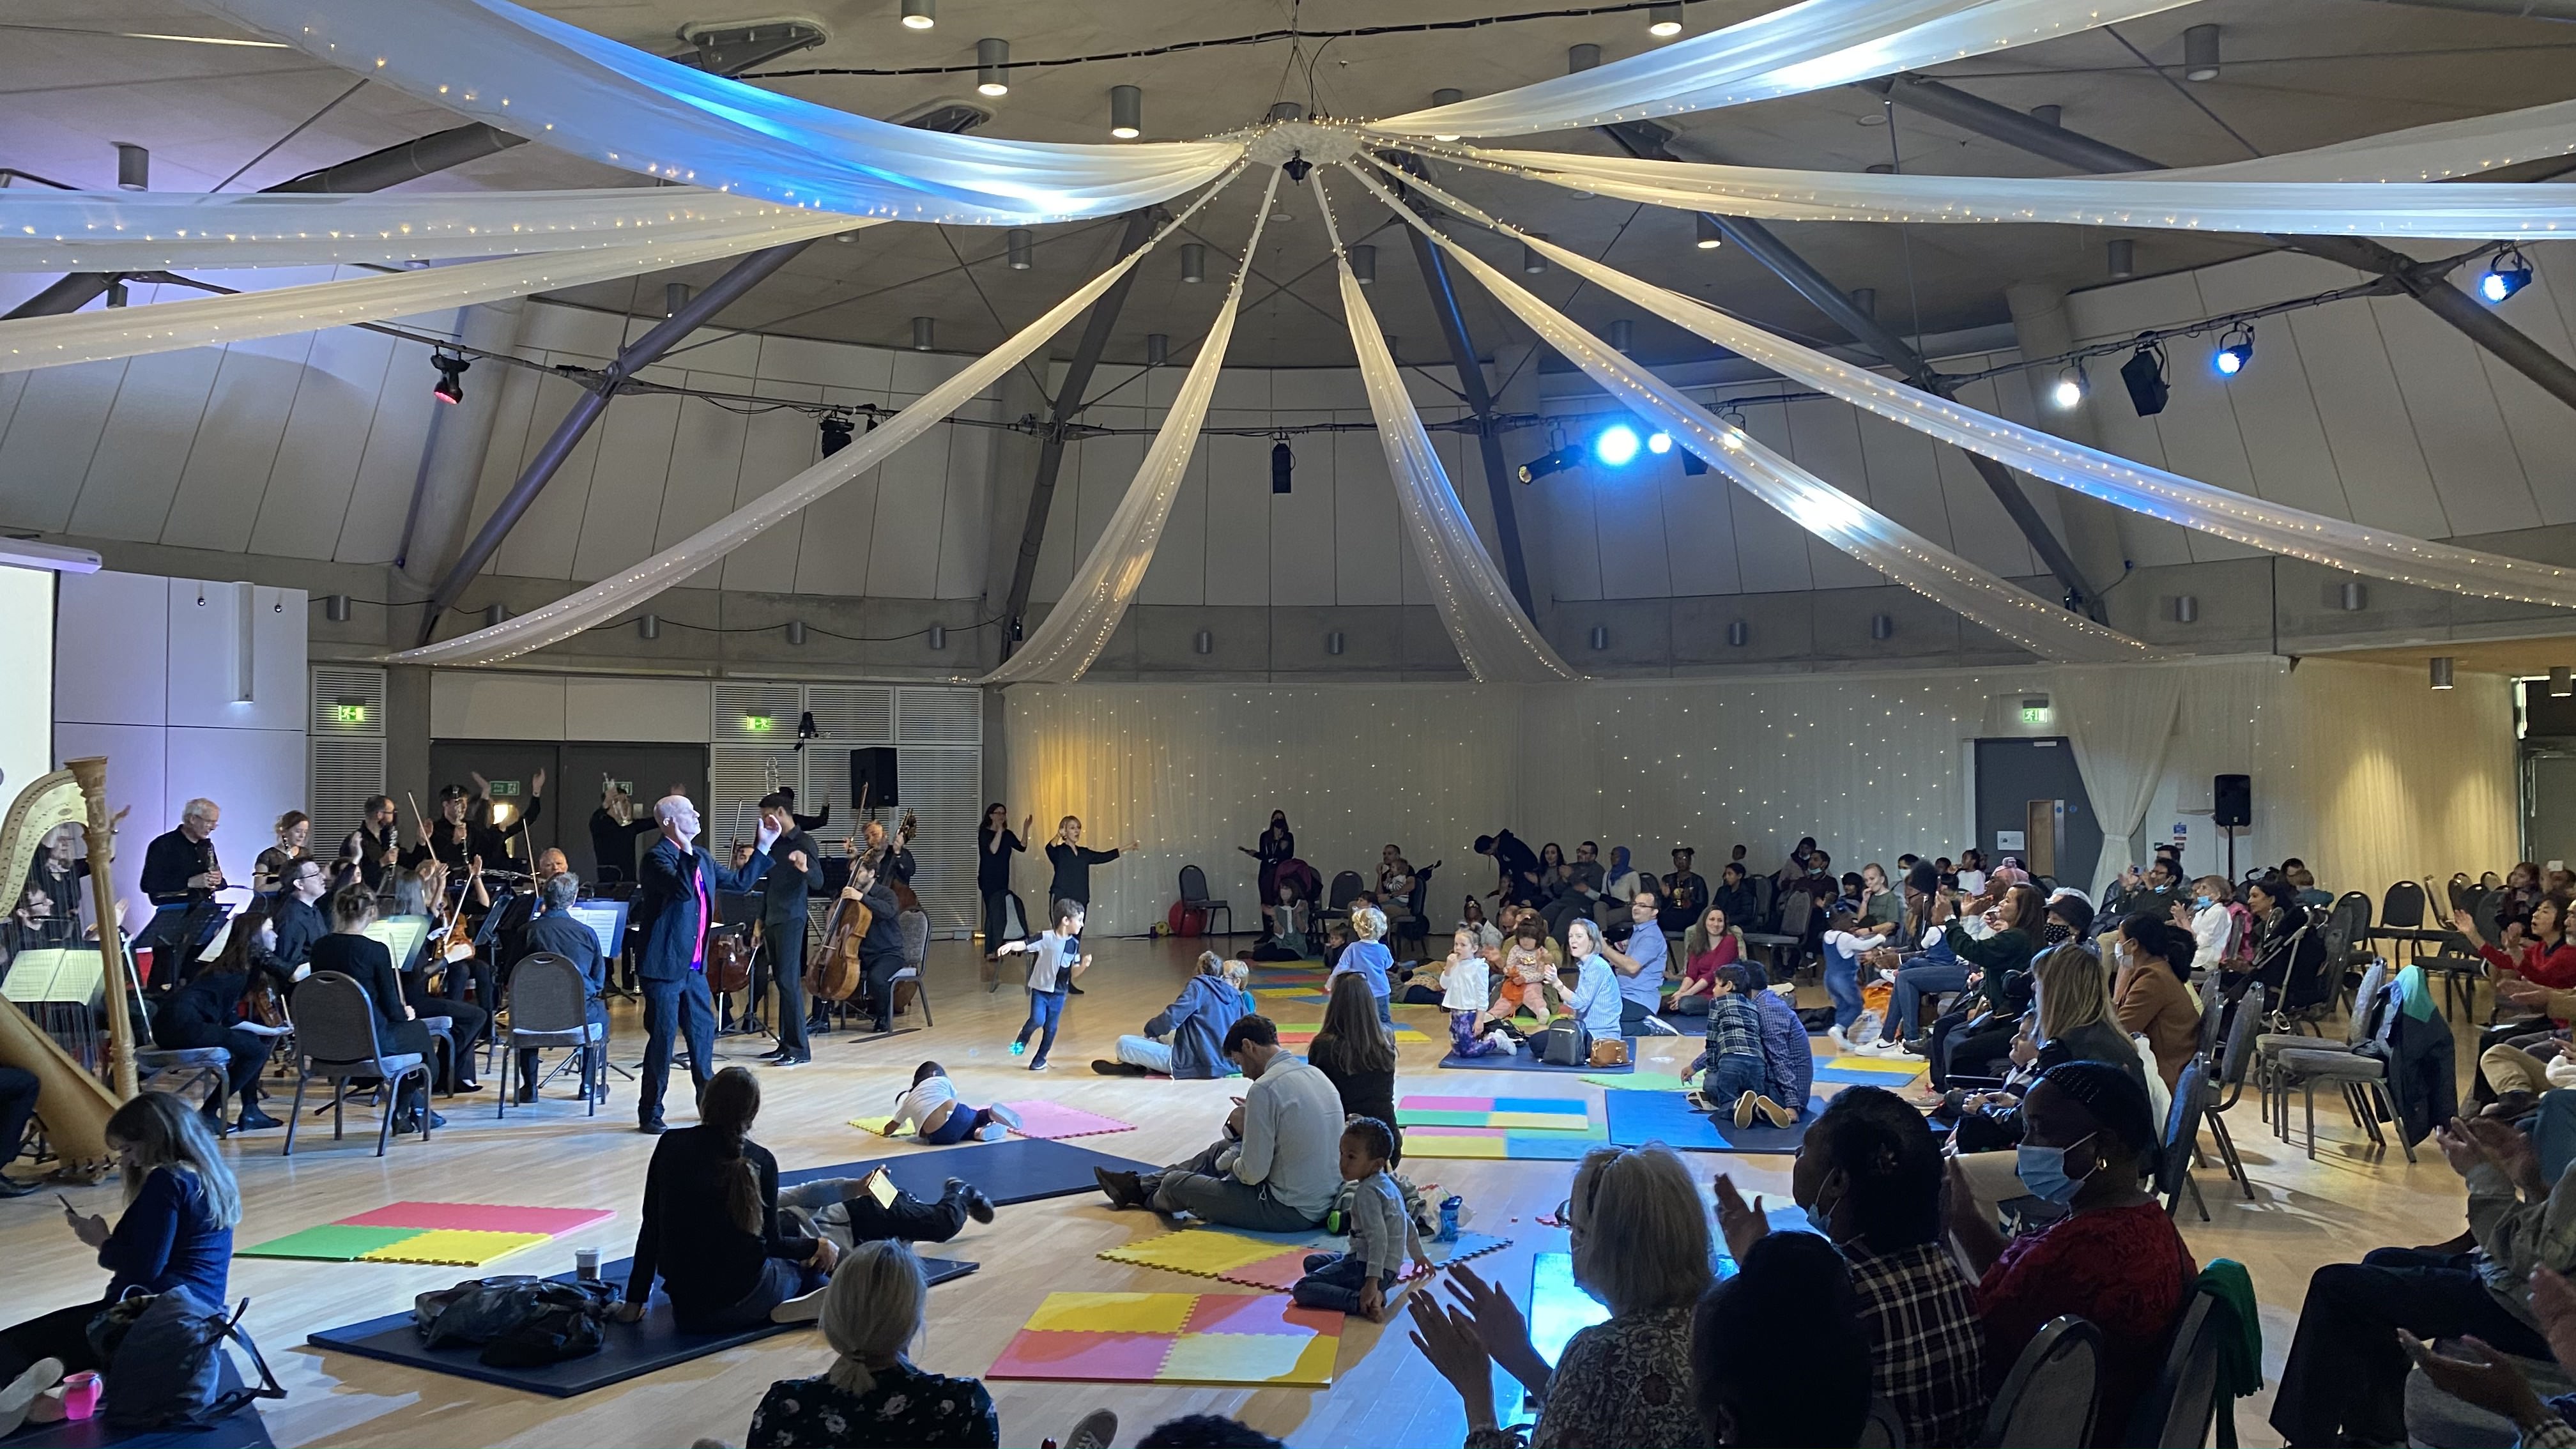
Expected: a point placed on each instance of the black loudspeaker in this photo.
(2232, 797)
(872, 777)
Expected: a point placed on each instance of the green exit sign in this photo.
(503, 788)
(758, 723)
(350, 713)
(2034, 711)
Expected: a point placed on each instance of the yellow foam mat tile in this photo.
(1250, 1358)
(877, 1125)
(1115, 1312)
(1206, 1252)
(1422, 1145)
(457, 1246)
(1892, 1066)
(1539, 1121)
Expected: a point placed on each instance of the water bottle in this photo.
(1449, 1218)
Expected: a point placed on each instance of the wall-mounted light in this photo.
(1531, 262)
(1623, 334)
(1600, 636)
(1447, 96)
(1126, 112)
(1364, 264)
(1739, 633)
(924, 329)
(2186, 608)
(1664, 21)
(2200, 53)
(1193, 262)
(1882, 626)
(133, 167)
(2562, 682)
(1020, 249)
(2123, 252)
(2442, 671)
(1706, 234)
(938, 636)
(335, 607)
(1158, 349)
(1204, 643)
(796, 631)
(2352, 596)
(1333, 642)
(675, 295)
(992, 67)
(920, 14)
(496, 614)
(648, 626)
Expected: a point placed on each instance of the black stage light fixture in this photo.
(2144, 373)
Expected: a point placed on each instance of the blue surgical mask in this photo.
(2204, 902)
(2043, 1171)
(1820, 1216)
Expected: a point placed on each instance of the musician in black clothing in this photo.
(782, 926)
(807, 823)
(464, 832)
(370, 853)
(299, 919)
(555, 929)
(881, 949)
(181, 876)
(894, 855)
(207, 1013)
(614, 828)
(350, 951)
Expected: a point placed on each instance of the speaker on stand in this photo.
(2231, 799)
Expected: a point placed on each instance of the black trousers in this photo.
(782, 954)
(877, 972)
(62, 1334)
(997, 905)
(18, 1091)
(2346, 1374)
(467, 1021)
(910, 1220)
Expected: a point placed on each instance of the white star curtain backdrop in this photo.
(1827, 512)
(1088, 610)
(2135, 486)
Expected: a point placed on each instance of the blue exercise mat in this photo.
(1522, 1061)
(1019, 1169)
(1637, 1118)
(632, 1350)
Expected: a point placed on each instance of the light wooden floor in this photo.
(2305, 1214)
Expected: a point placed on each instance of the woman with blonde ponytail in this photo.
(872, 1397)
(711, 1229)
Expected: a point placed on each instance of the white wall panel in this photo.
(465, 705)
(1302, 529)
(912, 502)
(2475, 471)
(1368, 529)
(118, 669)
(674, 710)
(707, 448)
(1238, 518)
(548, 535)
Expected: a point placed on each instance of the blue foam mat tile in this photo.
(1637, 1118)
(632, 1350)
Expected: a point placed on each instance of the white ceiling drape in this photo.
(2237, 517)
(142, 231)
(1495, 640)
(2119, 722)
(1804, 47)
(2418, 153)
(537, 77)
(29, 342)
(2147, 199)
(1074, 632)
(2036, 624)
(605, 600)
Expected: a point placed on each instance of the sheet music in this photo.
(56, 973)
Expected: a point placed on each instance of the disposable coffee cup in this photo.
(586, 1260)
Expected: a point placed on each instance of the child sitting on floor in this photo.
(1383, 1234)
(1462, 986)
(1738, 1072)
(1529, 975)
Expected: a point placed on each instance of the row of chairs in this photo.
(2054, 1391)
(1344, 892)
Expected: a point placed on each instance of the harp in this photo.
(73, 1104)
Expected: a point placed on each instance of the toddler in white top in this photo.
(1463, 988)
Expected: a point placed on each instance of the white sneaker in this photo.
(804, 1309)
(1657, 1026)
(21, 1392)
(991, 1132)
(1004, 1115)
(1841, 1042)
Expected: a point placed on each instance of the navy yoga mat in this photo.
(1021, 1169)
(1522, 1061)
(240, 1429)
(1637, 1118)
(632, 1350)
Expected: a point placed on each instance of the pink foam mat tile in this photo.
(475, 1217)
(1051, 1120)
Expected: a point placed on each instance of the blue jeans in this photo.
(681, 1007)
(2553, 1132)
(1913, 983)
(1144, 1051)
(1386, 1011)
(1731, 1077)
(1046, 1008)
(1333, 1281)
(1842, 983)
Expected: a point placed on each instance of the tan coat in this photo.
(2152, 1002)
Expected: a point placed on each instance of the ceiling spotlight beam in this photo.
(1102, 321)
(1480, 402)
(426, 156)
(598, 389)
(1646, 140)
(2428, 286)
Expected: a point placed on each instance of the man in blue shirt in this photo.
(1640, 965)
(555, 929)
(675, 907)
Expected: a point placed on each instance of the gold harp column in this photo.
(92, 774)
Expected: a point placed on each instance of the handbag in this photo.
(1568, 1044)
(1610, 1052)
(165, 1363)
(519, 1321)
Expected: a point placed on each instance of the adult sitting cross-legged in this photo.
(1278, 1165)
(1186, 1039)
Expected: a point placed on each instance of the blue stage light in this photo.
(1617, 445)
(1659, 443)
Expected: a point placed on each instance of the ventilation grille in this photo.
(943, 786)
(348, 701)
(940, 716)
(742, 708)
(737, 776)
(343, 774)
(859, 714)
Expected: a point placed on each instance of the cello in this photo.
(834, 973)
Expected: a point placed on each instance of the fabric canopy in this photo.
(143, 231)
(2120, 722)
(1804, 47)
(1495, 640)
(214, 321)
(2149, 199)
(1091, 606)
(605, 600)
(2419, 153)
(540, 78)
(2036, 624)
(2237, 517)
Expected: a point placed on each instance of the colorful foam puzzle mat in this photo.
(1255, 1340)
(1642, 1081)
(1637, 1118)
(1300, 1033)
(460, 1233)
(1272, 1260)
(1889, 1072)
(1051, 1120)
(1555, 1114)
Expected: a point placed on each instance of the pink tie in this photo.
(698, 881)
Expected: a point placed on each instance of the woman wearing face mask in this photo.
(2114, 1260)
(2212, 925)
(210, 1012)
(1277, 847)
(1869, 1177)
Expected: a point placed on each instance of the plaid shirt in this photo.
(1921, 1310)
(1734, 1027)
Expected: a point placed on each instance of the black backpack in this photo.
(520, 1321)
(165, 1363)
